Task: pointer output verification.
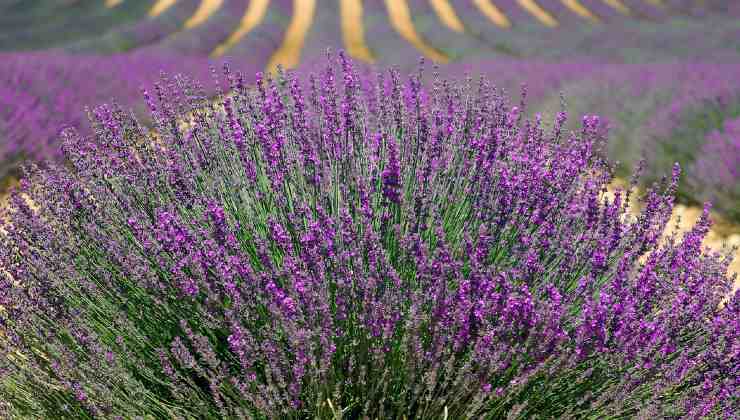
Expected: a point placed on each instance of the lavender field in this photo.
(348, 209)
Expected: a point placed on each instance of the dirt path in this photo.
(400, 18)
(289, 53)
(493, 13)
(353, 30)
(539, 13)
(253, 16)
(160, 7)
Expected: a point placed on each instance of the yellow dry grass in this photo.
(400, 17)
(353, 30)
(112, 3)
(160, 7)
(539, 13)
(252, 17)
(493, 13)
(447, 15)
(289, 53)
(204, 11)
(619, 6)
(578, 8)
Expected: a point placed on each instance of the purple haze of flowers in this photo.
(41, 93)
(701, 83)
(374, 248)
(722, 149)
(715, 174)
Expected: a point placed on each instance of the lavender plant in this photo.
(368, 249)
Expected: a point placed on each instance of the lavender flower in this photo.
(391, 249)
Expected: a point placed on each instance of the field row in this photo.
(281, 31)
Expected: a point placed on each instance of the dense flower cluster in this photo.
(666, 120)
(369, 248)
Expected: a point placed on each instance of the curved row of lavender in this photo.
(713, 39)
(717, 169)
(344, 247)
(42, 93)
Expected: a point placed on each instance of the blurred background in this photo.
(664, 75)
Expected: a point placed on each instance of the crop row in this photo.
(373, 31)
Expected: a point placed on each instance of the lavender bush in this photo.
(370, 249)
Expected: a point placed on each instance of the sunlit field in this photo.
(356, 209)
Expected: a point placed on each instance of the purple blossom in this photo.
(227, 290)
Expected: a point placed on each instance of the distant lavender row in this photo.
(44, 92)
(40, 25)
(712, 38)
(142, 33)
(715, 175)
